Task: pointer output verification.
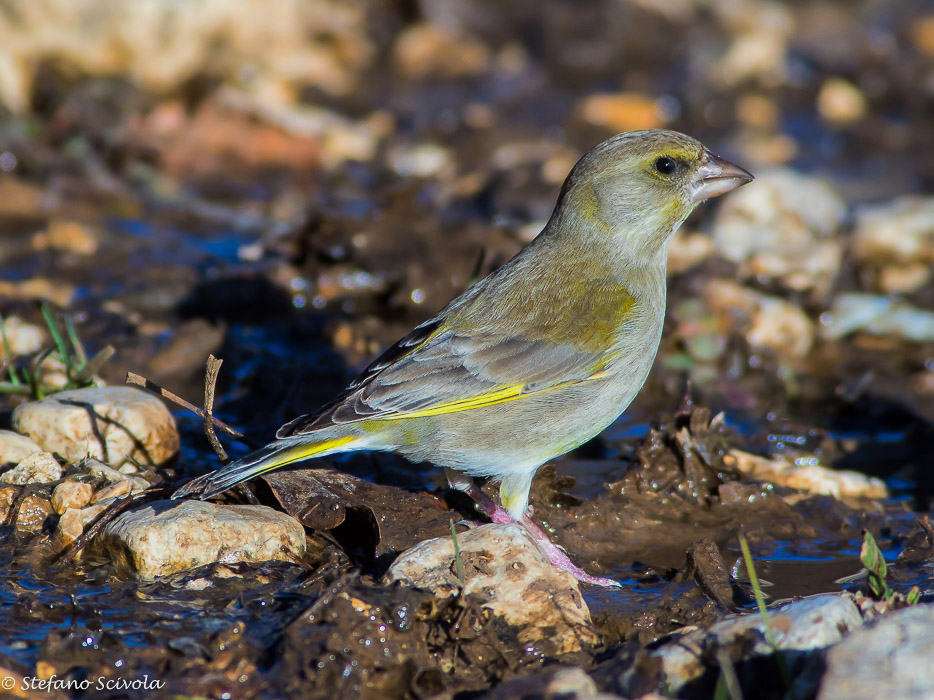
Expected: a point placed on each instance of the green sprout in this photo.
(24, 378)
(871, 557)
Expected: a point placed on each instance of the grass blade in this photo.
(763, 612)
(57, 337)
(8, 355)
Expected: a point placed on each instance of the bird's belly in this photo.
(519, 436)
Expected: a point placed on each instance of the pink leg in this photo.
(555, 554)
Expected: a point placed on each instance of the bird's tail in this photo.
(272, 456)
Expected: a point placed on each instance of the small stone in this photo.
(427, 49)
(111, 424)
(58, 292)
(811, 478)
(895, 240)
(91, 513)
(71, 495)
(890, 658)
(14, 448)
(137, 483)
(102, 471)
(840, 101)
(69, 235)
(784, 229)
(877, 315)
(812, 623)
(114, 490)
(33, 513)
(507, 570)
(625, 111)
(70, 527)
(37, 468)
(687, 250)
(770, 322)
(23, 338)
(165, 537)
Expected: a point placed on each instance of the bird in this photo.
(538, 357)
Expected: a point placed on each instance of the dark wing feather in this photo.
(434, 366)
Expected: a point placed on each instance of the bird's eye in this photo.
(665, 165)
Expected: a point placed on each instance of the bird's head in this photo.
(639, 187)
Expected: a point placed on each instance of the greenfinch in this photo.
(538, 357)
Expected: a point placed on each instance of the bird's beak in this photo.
(717, 176)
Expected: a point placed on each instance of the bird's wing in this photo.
(437, 369)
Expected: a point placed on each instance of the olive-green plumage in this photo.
(539, 356)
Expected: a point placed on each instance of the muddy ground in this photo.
(295, 224)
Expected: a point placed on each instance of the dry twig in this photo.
(210, 380)
(141, 381)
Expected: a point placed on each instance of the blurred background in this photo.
(293, 184)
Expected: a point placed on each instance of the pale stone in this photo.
(71, 495)
(812, 623)
(114, 490)
(111, 424)
(14, 448)
(812, 478)
(70, 527)
(23, 338)
(784, 229)
(840, 101)
(890, 658)
(165, 537)
(895, 240)
(770, 322)
(877, 315)
(98, 469)
(511, 576)
(37, 468)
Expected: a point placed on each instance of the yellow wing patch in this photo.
(509, 393)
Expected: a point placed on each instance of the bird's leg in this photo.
(488, 506)
(557, 556)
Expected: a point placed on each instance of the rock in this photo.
(37, 468)
(114, 490)
(33, 510)
(70, 527)
(687, 250)
(515, 580)
(71, 495)
(57, 291)
(430, 50)
(111, 424)
(552, 683)
(784, 229)
(625, 111)
(14, 448)
(165, 537)
(23, 338)
(840, 101)
(890, 658)
(770, 323)
(811, 623)
(91, 513)
(63, 234)
(877, 315)
(895, 242)
(812, 478)
(97, 469)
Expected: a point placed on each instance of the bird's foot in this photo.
(557, 556)
(470, 524)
